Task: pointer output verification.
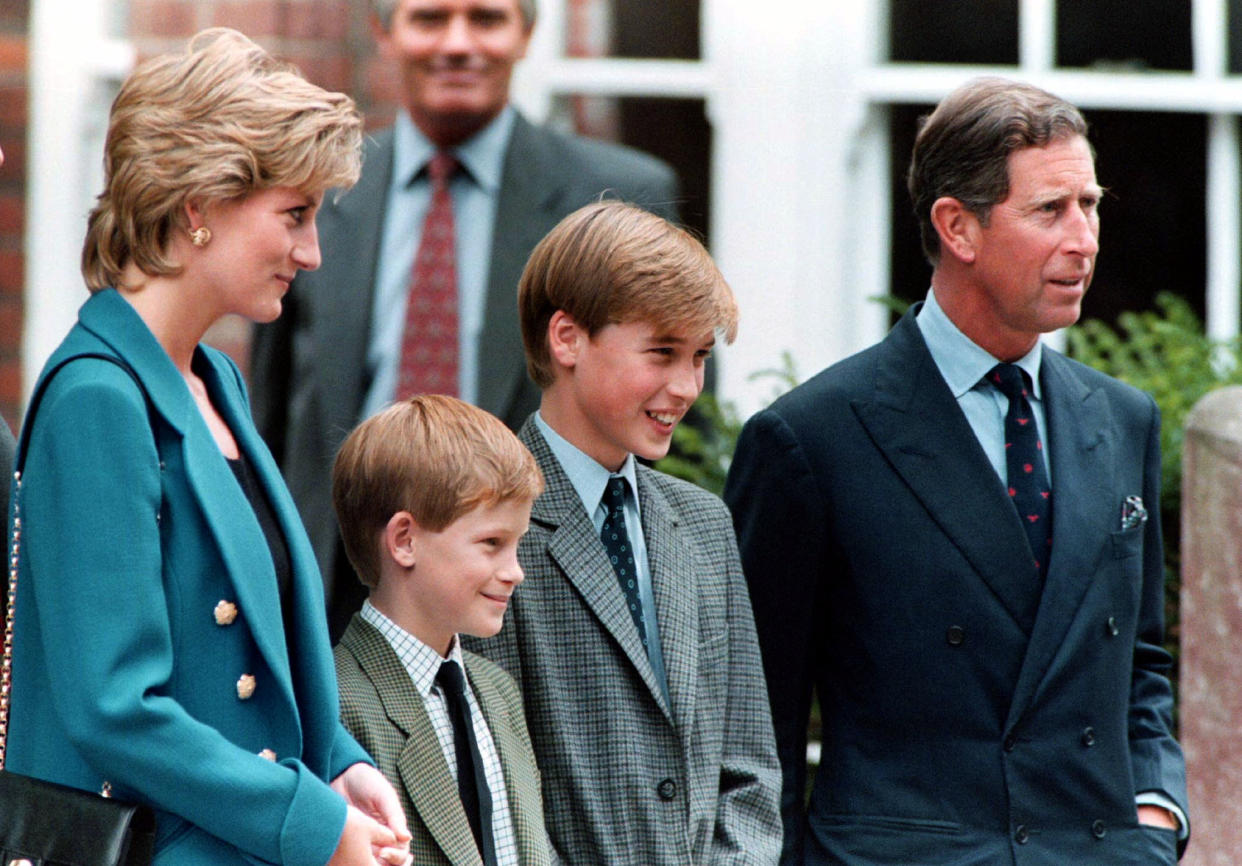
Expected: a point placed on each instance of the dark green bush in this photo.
(1166, 353)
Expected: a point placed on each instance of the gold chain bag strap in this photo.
(40, 821)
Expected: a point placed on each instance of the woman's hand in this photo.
(366, 842)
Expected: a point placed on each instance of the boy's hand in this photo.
(366, 789)
(365, 842)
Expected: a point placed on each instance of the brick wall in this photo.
(329, 40)
(14, 15)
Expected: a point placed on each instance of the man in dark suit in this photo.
(985, 645)
(336, 354)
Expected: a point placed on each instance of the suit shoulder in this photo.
(683, 496)
(1122, 394)
(810, 402)
(487, 676)
(606, 161)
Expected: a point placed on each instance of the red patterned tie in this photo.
(1028, 481)
(429, 342)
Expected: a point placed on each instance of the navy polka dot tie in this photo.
(620, 552)
(1029, 489)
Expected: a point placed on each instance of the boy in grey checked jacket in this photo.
(432, 496)
(632, 639)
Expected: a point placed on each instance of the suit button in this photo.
(1021, 835)
(955, 635)
(667, 789)
(1088, 736)
(245, 687)
(1010, 742)
(225, 612)
(1111, 628)
(1098, 830)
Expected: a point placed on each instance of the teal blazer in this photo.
(127, 667)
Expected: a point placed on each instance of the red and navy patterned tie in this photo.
(1029, 489)
(429, 341)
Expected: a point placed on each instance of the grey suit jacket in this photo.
(380, 707)
(628, 777)
(308, 371)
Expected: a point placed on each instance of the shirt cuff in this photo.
(1155, 798)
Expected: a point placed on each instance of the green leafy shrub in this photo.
(1166, 353)
(703, 446)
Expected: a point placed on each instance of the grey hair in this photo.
(963, 146)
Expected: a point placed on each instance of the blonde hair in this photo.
(433, 456)
(218, 121)
(611, 262)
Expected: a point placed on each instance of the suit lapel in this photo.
(915, 421)
(424, 772)
(522, 790)
(578, 553)
(344, 286)
(224, 507)
(674, 587)
(232, 521)
(1081, 460)
(526, 209)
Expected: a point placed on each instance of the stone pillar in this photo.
(1211, 620)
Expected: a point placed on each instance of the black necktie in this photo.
(472, 787)
(1029, 489)
(620, 552)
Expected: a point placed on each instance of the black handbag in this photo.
(42, 822)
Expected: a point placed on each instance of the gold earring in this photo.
(200, 236)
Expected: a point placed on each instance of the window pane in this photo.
(1128, 34)
(675, 130)
(666, 29)
(962, 31)
(1153, 223)
(1235, 36)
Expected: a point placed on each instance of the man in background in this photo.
(418, 288)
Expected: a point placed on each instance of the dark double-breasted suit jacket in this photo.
(381, 708)
(630, 776)
(970, 716)
(309, 372)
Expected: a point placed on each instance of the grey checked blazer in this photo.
(629, 778)
(381, 709)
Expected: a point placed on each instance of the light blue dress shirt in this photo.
(589, 478)
(963, 364)
(475, 190)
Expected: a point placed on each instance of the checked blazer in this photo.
(382, 710)
(628, 777)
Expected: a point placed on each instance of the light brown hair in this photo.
(611, 262)
(218, 121)
(433, 456)
(962, 149)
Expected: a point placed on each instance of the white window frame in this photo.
(75, 68)
(1208, 90)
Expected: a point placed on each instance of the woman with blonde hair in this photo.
(170, 642)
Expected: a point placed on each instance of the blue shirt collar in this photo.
(959, 359)
(482, 155)
(587, 475)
